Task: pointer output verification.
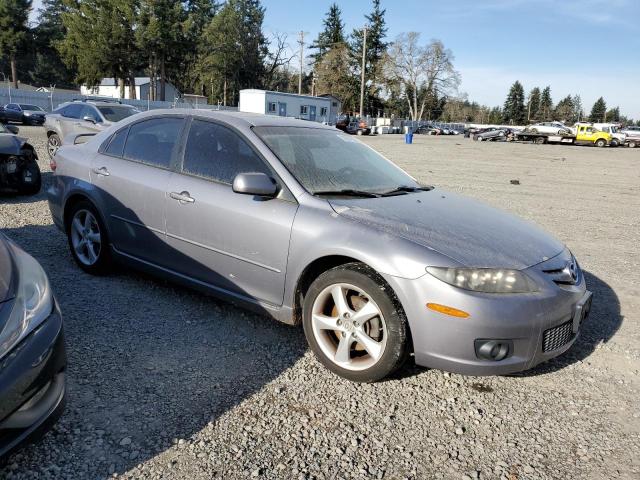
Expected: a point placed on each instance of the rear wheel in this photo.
(534, 130)
(354, 324)
(53, 144)
(601, 143)
(632, 144)
(540, 140)
(88, 239)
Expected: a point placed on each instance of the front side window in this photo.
(115, 113)
(152, 141)
(34, 108)
(90, 112)
(73, 111)
(217, 153)
(325, 160)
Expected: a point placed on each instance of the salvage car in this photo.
(83, 116)
(308, 225)
(19, 170)
(32, 351)
(24, 113)
(555, 128)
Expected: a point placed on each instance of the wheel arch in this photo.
(72, 200)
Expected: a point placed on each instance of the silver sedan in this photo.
(308, 225)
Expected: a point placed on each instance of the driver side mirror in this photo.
(89, 119)
(258, 184)
(13, 129)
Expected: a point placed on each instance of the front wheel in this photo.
(53, 144)
(601, 143)
(354, 324)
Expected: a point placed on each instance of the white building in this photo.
(305, 107)
(108, 87)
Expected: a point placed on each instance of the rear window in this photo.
(115, 113)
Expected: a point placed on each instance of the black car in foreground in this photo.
(19, 170)
(32, 352)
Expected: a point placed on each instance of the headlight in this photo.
(33, 302)
(27, 114)
(487, 280)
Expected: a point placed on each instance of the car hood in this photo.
(11, 144)
(467, 231)
(6, 271)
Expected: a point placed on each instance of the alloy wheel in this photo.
(85, 237)
(53, 144)
(349, 327)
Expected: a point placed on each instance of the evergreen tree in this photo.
(514, 110)
(47, 66)
(613, 115)
(533, 104)
(332, 35)
(565, 109)
(14, 30)
(598, 111)
(546, 105)
(233, 50)
(495, 116)
(375, 50)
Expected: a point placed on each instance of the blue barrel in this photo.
(408, 138)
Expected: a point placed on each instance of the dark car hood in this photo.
(465, 230)
(10, 144)
(6, 271)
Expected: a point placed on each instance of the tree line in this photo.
(215, 49)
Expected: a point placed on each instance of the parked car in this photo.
(491, 134)
(426, 130)
(632, 133)
(358, 127)
(19, 170)
(24, 113)
(617, 137)
(308, 225)
(3, 115)
(32, 352)
(83, 117)
(555, 128)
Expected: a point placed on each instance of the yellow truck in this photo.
(581, 135)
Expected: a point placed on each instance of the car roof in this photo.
(237, 118)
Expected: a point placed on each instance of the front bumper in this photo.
(32, 384)
(34, 120)
(539, 326)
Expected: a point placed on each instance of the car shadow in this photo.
(7, 196)
(150, 363)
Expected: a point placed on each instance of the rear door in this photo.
(13, 112)
(238, 243)
(131, 175)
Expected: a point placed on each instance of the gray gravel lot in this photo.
(165, 383)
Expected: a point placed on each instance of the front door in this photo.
(282, 109)
(131, 178)
(312, 113)
(234, 242)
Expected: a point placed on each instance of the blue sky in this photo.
(588, 47)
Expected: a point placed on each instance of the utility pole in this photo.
(301, 43)
(364, 62)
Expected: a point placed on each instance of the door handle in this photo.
(182, 197)
(101, 171)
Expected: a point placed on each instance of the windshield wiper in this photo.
(348, 193)
(403, 189)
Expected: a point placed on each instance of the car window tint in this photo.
(218, 153)
(73, 111)
(152, 141)
(89, 111)
(116, 145)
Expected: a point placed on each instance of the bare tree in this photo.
(420, 70)
(279, 57)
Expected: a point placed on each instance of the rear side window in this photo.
(116, 145)
(218, 153)
(152, 141)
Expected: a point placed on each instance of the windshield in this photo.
(115, 113)
(24, 106)
(324, 160)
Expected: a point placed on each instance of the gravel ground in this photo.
(165, 383)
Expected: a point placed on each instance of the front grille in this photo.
(557, 337)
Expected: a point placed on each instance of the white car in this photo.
(549, 127)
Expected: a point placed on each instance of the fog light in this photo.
(495, 350)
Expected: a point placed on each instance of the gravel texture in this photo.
(165, 383)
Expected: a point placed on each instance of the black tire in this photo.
(601, 143)
(397, 331)
(614, 143)
(103, 264)
(632, 144)
(540, 140)
(30, 179)
(53, 143)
